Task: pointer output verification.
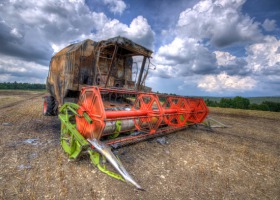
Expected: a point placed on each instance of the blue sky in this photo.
(201, 48)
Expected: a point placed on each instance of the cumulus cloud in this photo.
(186, 56)
(23, 43)
(61, 22)
(31, 31)
(231, 64)
(269, 25)
(115, 6)
(41, 23)
(21, 70)
(222, 22)
(201, 35)
(264, 57)
(223, 82)
(196, 53)
(139, 31)
(164, 71)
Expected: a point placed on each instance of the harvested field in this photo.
(239, 162)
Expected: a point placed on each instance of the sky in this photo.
(201, 48)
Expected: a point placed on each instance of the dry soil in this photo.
(238, 162)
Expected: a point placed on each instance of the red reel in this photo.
(149, 103)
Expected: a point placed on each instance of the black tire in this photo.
(50, 106)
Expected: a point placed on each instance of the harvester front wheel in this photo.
(49, 106)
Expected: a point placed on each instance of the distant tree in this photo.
(261, 106)
(15, 85)
(273, 106)
(226, 103)
(264, 107)
(211, 103)
(254, 106)
(240, 102)
(21, 86)
(244, 103)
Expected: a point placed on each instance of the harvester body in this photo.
(103, 101)
(108, 63)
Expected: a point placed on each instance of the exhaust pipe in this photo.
(105, 150)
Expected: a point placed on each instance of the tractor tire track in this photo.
(21, 101)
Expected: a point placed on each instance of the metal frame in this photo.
(82, 125)
(76, 144)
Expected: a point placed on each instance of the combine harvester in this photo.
(103, 102)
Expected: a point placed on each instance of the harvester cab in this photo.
(103, 101)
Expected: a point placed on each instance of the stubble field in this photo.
(238, 162)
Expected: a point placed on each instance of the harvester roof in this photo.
(87, 46)
(129, 47)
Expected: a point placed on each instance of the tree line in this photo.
(22, 86)
(244, 103)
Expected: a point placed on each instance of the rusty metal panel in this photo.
(70, 67)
